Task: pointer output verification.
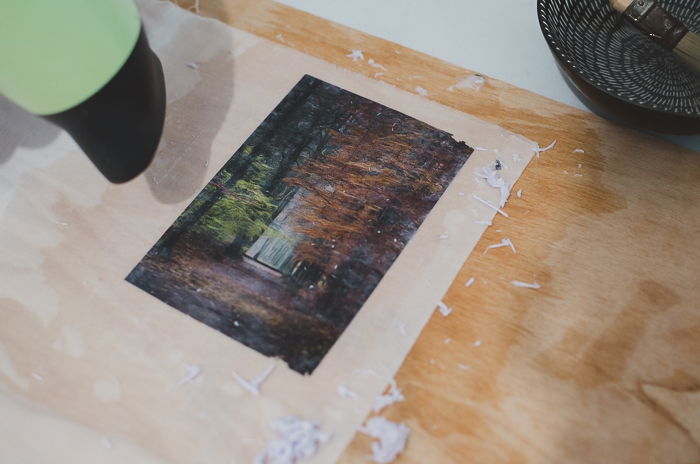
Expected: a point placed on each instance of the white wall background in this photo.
(499, 38)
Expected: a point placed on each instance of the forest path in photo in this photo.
(242, 300)
(288, 240)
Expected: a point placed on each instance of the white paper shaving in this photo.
(444, 309)
(473, 82)
(494, 179)
(506, 242)
(402, 327)
(463, 367)
(192, 371)
(480, 149)
(253, 385)
(519, 193)
(192, 65)
(448, 341)
(477, 343)
(394, 395)
(539, 150)
(579, 150)
(374, 64)
(444, 236)
(469, 282)
(356, 55)
(484, 223)
(421, 91)
(37, 376)
(518, 283)
(297, 439)
(391, 438)
(345, 392)
(487, 203)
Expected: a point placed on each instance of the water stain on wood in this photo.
(591, 359)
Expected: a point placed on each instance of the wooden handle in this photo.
(620, 5)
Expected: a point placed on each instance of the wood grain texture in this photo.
(600, 364)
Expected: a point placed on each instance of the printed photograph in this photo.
(284, 245)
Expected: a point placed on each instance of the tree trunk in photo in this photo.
(239, 163)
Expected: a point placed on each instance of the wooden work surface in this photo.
(601, 364)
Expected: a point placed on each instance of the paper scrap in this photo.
(487, 203)
(391, 438)
(506, 242)
(394, 395)
(356, 55)
(493, 178)
(518, 283)
(253, 385)
(472, 82)
(297, 439)
(539, 150)
(345, 392)
(192, 371)
(444, 309)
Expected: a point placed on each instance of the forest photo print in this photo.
(284, 245)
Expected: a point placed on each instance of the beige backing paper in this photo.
(90, 365)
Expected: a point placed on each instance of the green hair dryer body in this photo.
(86, 66)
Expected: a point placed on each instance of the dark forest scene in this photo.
(284, 245)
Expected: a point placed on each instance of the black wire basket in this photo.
(619, 72)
